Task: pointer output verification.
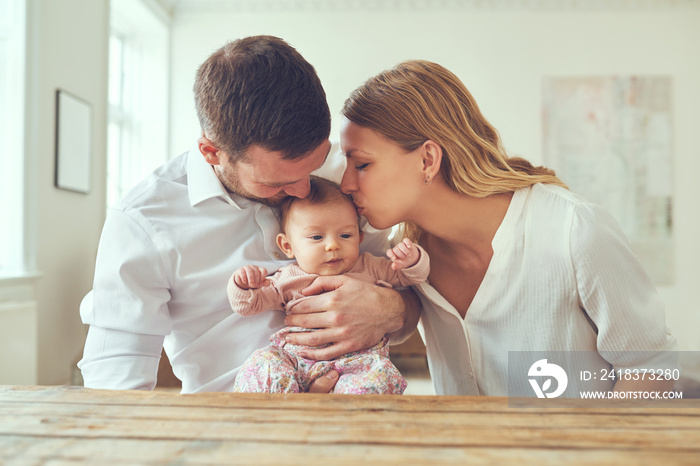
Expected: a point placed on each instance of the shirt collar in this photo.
(202, 182)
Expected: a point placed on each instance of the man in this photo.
(170, 246)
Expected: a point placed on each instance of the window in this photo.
(137, 134)
(12, 69)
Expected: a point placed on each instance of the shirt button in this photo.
(278, 255)
(471, 374)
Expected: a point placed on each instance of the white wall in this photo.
(501, 54)
(67, 49)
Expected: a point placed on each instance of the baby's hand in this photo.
(250, 276)
(403, 255)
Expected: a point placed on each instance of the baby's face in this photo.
(324, 239)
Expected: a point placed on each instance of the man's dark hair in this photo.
(260, 91)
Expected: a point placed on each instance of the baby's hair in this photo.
(322, 191)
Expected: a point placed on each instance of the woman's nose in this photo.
(348, 183)
(299, 189)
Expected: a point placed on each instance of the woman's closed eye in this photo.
(361, 166)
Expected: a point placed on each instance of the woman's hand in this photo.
(350, 315)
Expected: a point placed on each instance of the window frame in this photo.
(14, 256)
(138, 123)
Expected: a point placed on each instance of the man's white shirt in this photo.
(166, 254)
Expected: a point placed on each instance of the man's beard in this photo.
(233, 185)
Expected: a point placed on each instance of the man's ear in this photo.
(210, 152)
(283, 244)
(432, 159)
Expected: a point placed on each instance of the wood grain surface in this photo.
(72, 425)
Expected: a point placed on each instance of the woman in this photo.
(518, 262)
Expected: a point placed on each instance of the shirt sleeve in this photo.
(127, 310)
(616, 293)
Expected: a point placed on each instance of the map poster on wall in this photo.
(610, 140)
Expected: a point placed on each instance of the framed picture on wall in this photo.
(73, 142)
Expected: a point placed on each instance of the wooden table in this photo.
(68, 425)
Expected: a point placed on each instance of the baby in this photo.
(322, 233)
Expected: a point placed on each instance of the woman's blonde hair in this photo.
(419, 100)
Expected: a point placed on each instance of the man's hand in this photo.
(403, 255)
(250, 276)
(350, 315)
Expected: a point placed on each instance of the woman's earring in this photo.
(428, 180)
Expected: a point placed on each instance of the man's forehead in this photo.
(269, 167)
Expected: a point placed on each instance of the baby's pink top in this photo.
(285, 286)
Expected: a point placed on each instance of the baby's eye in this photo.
(361, 166)
(317, 237)
(346, 236)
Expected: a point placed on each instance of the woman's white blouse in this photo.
(558, 260)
